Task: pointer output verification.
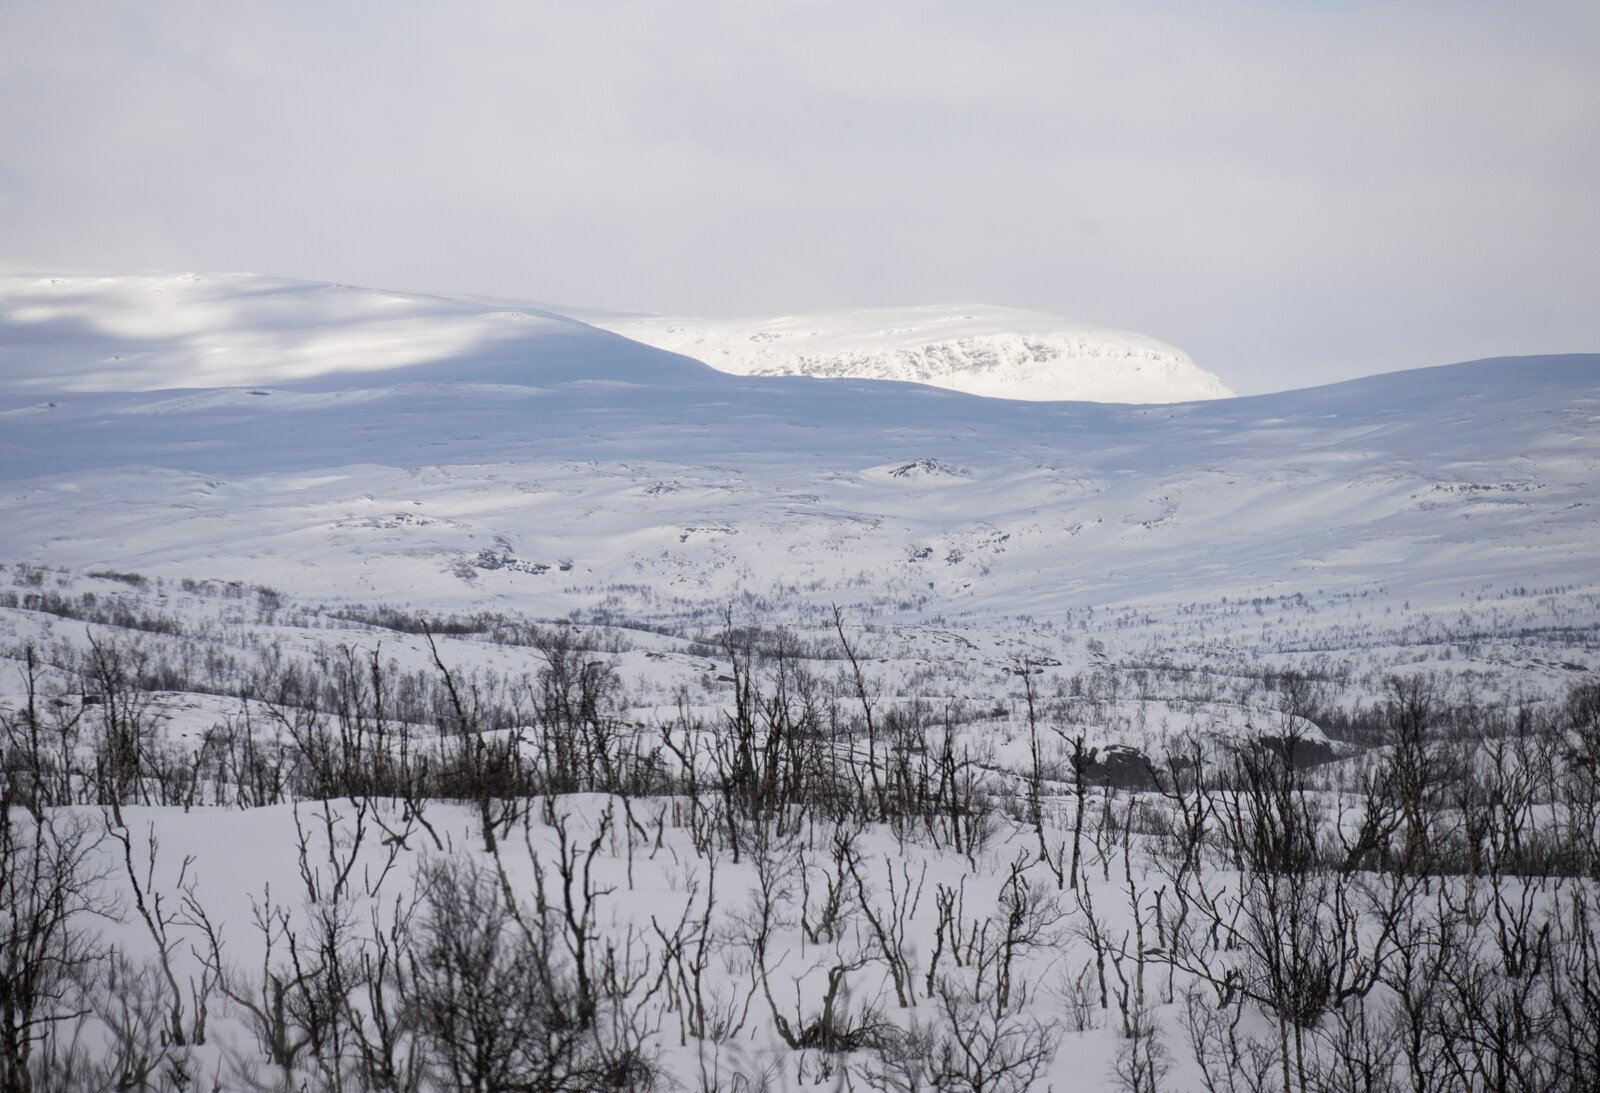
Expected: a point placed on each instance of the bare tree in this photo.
(50, 889)
(496, 1014)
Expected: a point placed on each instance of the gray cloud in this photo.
(1292, 192)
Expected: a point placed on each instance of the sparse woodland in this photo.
(373, 878)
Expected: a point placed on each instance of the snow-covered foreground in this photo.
(707, 993)
(997, 352)
(363, 873)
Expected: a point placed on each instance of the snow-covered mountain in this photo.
(993, 351)
(145, 332)
(142, 332)
(248, 487)
(510, 459)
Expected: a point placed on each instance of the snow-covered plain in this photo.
(998, 352)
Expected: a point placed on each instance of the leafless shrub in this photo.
(50, 892)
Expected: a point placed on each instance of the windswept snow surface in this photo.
(993, 351)
(560, 467)
(163, 331)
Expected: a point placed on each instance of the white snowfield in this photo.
(284, 433)
(163, 331)
(997, 352)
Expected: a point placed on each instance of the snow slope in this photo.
(993, 351)
(153, 331)
(566, 468)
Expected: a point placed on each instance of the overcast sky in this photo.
(1293, 192)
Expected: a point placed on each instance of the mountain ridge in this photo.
(143, 332)
(63, 332)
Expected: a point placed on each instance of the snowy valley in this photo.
(409, 692)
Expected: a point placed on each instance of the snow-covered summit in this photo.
(144, 332)
(141, 332)
(997, 352)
